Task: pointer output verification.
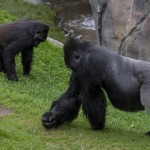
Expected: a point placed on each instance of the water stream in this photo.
(34, 1)
(73, 16)
(76, 16)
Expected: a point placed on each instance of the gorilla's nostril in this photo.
(44, 119)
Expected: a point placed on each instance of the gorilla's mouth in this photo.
(37, 42)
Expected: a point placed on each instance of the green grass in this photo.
(22, 9)
(31, 97)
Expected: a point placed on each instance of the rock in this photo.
(123, 26)
(55, 42)
(36, 2)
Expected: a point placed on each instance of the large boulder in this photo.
(123, 26)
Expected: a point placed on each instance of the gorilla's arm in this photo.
(27, 58)
(9, 61)
(145, 93)
(8, 57)
(94, 106)
(66, 108)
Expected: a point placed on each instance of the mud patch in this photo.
(5, 111)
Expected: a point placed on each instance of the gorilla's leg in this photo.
(2, 68)
(94, 107)
(147, 133)
(65, 109)
(145, 94)
(27, 58)
(9, 61)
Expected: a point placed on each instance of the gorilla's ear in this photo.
(76, 56)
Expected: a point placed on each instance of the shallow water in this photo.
(77, 17)
(73, 16)
(34, 1)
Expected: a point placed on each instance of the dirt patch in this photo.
(5, 111)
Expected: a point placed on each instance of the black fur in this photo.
(66, 108)
(19, 36)
(126, 81)
(148, 133)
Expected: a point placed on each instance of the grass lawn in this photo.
(29, 98)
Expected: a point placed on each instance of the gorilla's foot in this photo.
(147, 133)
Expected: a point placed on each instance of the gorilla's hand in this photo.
(52, 119)
(63, 110)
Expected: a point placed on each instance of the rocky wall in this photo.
(123, 26)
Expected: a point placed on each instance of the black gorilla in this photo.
(20, 36)
(126, 81)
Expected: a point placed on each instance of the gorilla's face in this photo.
(40, 35)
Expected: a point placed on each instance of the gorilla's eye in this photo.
(77, 57)
(38, 32)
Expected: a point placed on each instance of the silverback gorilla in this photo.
(126, 81)
(20, 36)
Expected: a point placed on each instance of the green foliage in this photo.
(22, 9)
(5, 17)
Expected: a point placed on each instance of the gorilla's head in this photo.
(74, 48)
(40, 34)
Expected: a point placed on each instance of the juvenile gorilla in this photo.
(20, 36)
(126, 81)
